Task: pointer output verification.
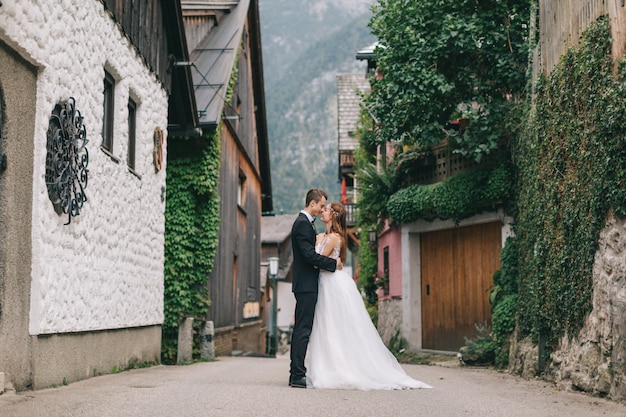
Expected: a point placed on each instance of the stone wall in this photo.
(223, 341)
(389, 318)
(593, 361)
(249, 337)
(18, 92)
(96, 283)
(243, 339)
(105, 269)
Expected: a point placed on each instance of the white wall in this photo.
(105, 269)
(286, 305)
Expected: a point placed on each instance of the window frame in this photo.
(109, 112)
(132, 134)
(241, 189)
(386, 270)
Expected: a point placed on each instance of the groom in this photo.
(306, 268)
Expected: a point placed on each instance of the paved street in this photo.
(247, 386)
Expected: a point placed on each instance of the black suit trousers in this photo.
(305, 310)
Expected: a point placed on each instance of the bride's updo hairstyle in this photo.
(338, 225)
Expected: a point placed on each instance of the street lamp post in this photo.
(273, 261)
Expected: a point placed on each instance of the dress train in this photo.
(345, 350)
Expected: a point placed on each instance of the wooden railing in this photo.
(444, 164)
(351, 214)
(346, 158)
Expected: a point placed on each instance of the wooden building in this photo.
(224, 43)
(349, 88)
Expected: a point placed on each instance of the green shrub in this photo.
(460, 196)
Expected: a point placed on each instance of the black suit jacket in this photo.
(305, 259)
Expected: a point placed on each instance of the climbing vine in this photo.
(571, 160)
(192, 221)
(458, 197)
(503, 299)
(191, 232)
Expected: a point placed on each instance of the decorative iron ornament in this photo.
(67, 159)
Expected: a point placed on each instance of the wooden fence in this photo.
(562, 23)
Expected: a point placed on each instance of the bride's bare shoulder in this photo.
(335, 238)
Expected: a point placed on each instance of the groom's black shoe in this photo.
(298, 382)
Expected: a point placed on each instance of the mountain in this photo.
(306, 43)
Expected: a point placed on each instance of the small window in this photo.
(241, 190)
(386, 270)
(132, 130)
(386, 260)
(109, 107)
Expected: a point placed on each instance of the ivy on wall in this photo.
(192, 222)
(503, 300)
(571, 160)
(191, 231)
(368, 266)
(458, 197)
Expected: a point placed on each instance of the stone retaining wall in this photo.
(593, 361)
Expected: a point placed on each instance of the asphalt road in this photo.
(257, 387)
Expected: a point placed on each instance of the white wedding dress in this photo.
(345, 350)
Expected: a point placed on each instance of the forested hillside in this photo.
(305, 45)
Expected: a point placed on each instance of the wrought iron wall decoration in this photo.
(67, 159)
(158, 149)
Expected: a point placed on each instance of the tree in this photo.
(447, 59)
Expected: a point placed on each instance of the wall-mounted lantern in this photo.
(372, 236)
(273, 261)
(273, 271)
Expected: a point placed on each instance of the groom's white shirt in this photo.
(308, 216)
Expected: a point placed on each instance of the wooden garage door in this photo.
(457, 271)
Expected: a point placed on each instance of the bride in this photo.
(345, 350)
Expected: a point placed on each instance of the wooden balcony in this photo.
(441, 165)
(346, 158)
(351, 215)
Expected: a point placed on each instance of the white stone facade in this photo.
(105, 269)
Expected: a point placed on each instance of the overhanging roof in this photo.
(276, 229)
(367, 52)
(213, 60)
(182, 104)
